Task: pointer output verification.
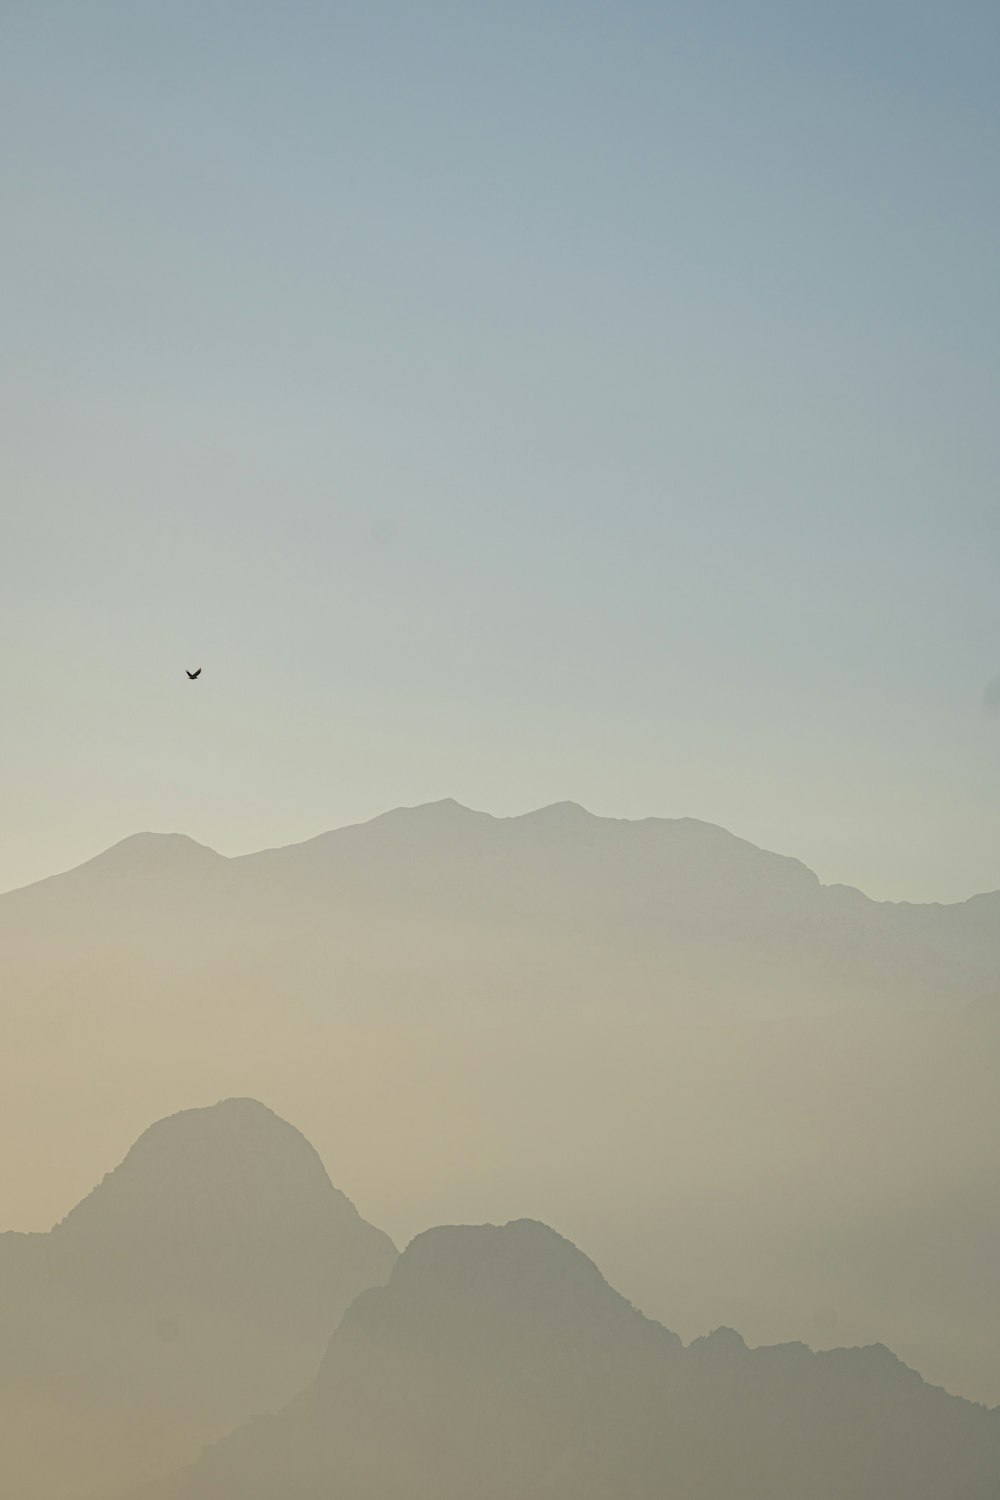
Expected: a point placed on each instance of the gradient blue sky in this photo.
(508, 401)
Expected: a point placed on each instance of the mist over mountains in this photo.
(200, 1281)
(644, 1032)
(581, 400)
(216, 1293)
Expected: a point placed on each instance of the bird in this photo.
(192, 676)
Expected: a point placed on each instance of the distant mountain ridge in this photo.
(497, 1362)
(682, 912)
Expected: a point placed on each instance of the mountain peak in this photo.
(501, 1286)
(140, 857)
(721, 1341)
(468, 1253)
(562, 814)
(446, 809)
(145, 847)
(205, 1151)
(232, 1172)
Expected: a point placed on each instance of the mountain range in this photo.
(440, 904)
(634, 1030)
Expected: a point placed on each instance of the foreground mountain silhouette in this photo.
(497, 1362)
(199, 1282)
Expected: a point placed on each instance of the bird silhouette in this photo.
(193, 675)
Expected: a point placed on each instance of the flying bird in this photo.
(193, 675)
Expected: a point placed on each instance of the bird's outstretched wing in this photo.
(193, 675)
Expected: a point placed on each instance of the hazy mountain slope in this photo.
(497, 1363)
(198, 1283)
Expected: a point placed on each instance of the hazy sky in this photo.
(513, 401)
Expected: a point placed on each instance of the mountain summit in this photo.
(202, 1185)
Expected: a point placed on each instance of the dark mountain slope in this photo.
(498, 1363)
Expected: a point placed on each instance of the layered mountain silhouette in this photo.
(198, 1283)
(497, 1362)
(635, 1029)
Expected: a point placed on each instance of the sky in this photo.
(515, 403)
